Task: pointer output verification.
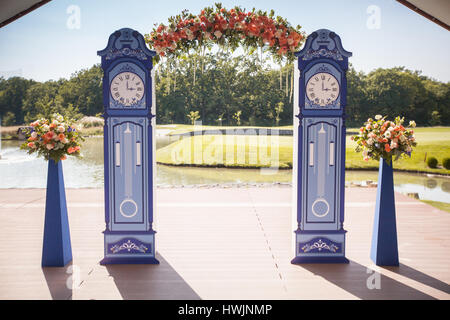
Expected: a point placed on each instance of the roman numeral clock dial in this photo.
(127, 88)
(322, 89)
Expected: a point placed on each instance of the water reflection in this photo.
(431, 183)
(19, 170)
(446, 186)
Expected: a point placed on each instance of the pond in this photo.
(20, 170)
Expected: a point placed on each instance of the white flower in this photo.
(218, 34)
(412, 124)
(45, 127)
(49, 146)
(59, 118)
(378, 117)
(387, 134)
(61, 129)
(34, 134)
(370, 142)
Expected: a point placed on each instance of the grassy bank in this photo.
(256, 151)
(228, 151)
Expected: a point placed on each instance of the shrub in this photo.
(9, 119)
(432, 162)
(91, 122)
(446, 163)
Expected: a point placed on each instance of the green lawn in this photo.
(228, 151)
(256, 151)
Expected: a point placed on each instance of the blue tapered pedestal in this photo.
(57, 250)
(384, 251)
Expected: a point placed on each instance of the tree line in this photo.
(222, 89)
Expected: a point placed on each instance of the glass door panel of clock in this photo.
(321, 174)
(322, 89)
(127, 87)
(128, 172)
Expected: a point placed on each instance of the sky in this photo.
(63, 36)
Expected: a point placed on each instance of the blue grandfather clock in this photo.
(129, 112)
(319, 122)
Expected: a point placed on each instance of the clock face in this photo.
(127, 88)
(322, 89)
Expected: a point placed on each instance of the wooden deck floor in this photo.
(221, 243)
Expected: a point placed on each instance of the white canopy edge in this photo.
(11, 10)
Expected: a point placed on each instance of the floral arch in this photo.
(226, 28)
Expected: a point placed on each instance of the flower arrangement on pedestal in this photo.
(385, 141)
(53, 138)
(381, 138)
(226, 27)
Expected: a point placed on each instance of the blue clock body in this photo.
(129, 112)
(320, 162)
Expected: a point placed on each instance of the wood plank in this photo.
(241, 250)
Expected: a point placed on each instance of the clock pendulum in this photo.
(128, 164)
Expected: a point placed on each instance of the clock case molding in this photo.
(316, 241)
(323, 52)
(131, 242)
(126, 51)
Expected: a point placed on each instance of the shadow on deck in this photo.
(349, 277)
